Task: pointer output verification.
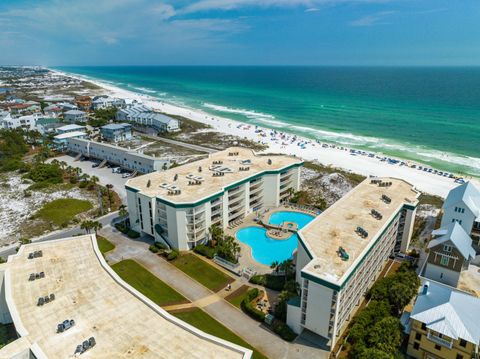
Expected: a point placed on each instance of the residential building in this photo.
(444, 323)
(116, 155)
(28, 107)
(75, 116)
(83, 102)
(47, 125)
(52, 111)
(450, 253)
(142, 115)
(462, 205)
(61, 141)
(115, 132)
(177, 206)
(103, 102)
(343, 250)
(28, 122)
(70, 128)
(67, 106)
(47, 283)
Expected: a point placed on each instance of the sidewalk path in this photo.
(253, 332)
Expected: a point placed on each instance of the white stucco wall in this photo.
(441, 274)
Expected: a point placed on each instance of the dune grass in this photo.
(61, 211)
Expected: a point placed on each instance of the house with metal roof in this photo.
(450, 253)
(143, 115)
(75, 116)
(462, 205)
(444, 323)
(116, 132)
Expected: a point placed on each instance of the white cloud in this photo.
(372, 19)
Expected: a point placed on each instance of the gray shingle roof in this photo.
(454, 233)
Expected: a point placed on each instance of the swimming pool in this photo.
(264, 249)
(302, 219)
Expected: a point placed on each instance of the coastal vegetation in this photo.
(376, 331)
(60, 212)
(12, 149)
(104, 245)
(353, 178)
(148, 284)
(220, 245)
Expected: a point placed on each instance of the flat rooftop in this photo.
(336, 227)
(160, 183)
(65, 135)
(124, 323)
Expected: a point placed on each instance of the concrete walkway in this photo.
(212, 303)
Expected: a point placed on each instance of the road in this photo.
(180, 143)
(105, 221)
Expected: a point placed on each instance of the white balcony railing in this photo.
(441, 341)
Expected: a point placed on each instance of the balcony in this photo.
(440, 341)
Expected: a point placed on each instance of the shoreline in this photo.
(361, 162)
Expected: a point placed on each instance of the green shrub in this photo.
(153, 249)
(159, 245)
(283, 331)
(172, 255)
(121, 227)
(204, 250)
(249, 309)
(83, 184)
(133, 234)
(269, 281)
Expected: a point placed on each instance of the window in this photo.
(418, 336)
(447, 248)
(438, 347)
(456, 209)
(424, 326)
(444, 261)
(453, 220)
(463, 343)
(416, 346)
(459, 356)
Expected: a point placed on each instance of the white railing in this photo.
(440, 341)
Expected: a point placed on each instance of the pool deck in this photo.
(246, 259)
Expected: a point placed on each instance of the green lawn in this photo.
(201, 320)
(147, 283)
(61, 211)
(202, 272)
(7, 334)
(104, 244)
(237, 297)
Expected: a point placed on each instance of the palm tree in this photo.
(274, 265)
(77, 172)
(63, 165)
(87, 226)
(109, 187)
(122, 211)
(96, 226)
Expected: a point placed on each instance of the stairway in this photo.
(77, 157)
(102, 164)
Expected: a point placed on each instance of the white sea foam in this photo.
(143, 89)
(250, 114)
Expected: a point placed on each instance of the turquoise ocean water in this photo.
(430, 115)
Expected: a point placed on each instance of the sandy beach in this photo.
(365, 163)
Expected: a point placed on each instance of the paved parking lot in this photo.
(105, 174)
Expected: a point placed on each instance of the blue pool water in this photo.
(302, 219)
(264, 249)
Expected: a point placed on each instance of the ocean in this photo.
(429, 115)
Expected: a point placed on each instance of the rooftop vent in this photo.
(385, 184)
(361, 232)
(343, 253)
(386, 199)
(217, 162)
(149, 183)
(376, 214)
(233, 153)
(244, 169)
(34, 276)
(269, 161)
(375, 181)
(164, 185)
(175, 177)
(245, 162)
(36, 254)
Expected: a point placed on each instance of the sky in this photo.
(240, 32)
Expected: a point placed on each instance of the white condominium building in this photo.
(343, 250)
(178, 206)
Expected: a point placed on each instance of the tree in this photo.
(122, 211)
(385, 335)
(109, 194)
(87, 226)
(96, 226)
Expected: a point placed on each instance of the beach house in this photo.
(115, 132)
(142, 115)
(61, 141)
(444, 323)
(103, 102)
(177, 206)
(343, 251)
(75, 116)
